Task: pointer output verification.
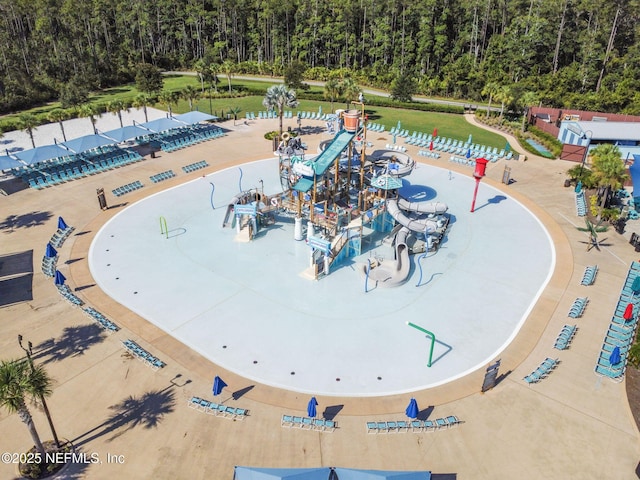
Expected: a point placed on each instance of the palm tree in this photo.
(332, 90)
(228, 67)
(608, 170)
(200, 66)
(278, 97)
(235, 110)
(505, 96)
(116, 107)
(20, 382)
(90, 111)
(490, 89)
(189, 93)
(526, 100)
(59, 115)
(212, 76)
(28, 122)
(350, 90)
(143, 100)
(168, 98)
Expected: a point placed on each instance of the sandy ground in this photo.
(573, 424)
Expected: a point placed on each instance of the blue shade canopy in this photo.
(162, 124)
(42, 154)
(412, 409)
(218, 385)
(88, 142)
(59, 278)
(194, 117)
(353, 474)
(634, 170)
(50, 252)
(126, 133)
(635, 286)
(62, 225)
(615, 357)
(311, 407)
(7, 162)
(250, 473)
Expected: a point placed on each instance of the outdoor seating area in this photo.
(177, 138)
(400, 426)
(581, 204)
(216, 409)
(542, 371)
(308, 423)
(452, 146)
(49, 265)
(589, 275)
(64, 169)
(612, 359)
(68, 295)
(103, 321)
(375, 127)
(192, 167)
(578, 306)
(129, 187)
(396, 148)
(428, 153)
(58, 238)
(470, 162)
(142, 355)
(159, 177)
(563, 341)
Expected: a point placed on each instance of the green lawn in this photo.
(448, 125)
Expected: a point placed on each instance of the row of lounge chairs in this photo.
(428, 153)
(581, 204)
(129, 187)
(49, 265)
(413, 425)
(395, 148)
(307, 423)
(621, 331)
(470, 162)
(565, 336)
(159, 177)
(59, 237)
(103, 321)
(68, 295)
(185, 137)
(216, 409)
(192, 167)
(376, 127)
(542, 371)
(578, 306)
(141, 354)
(589, 275)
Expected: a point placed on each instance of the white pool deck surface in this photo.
(475, 293)
(247, 306)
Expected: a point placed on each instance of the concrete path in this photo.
(573, 424)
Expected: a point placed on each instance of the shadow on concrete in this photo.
(331, 411)
(74, 341)
(239, 393)
(146, 411)
(27, 220)
(16, 290)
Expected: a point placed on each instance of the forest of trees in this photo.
(581, 54)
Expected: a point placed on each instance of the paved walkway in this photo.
(571, 425)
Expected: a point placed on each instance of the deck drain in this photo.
(338, 379)
(224, 346)
(135, 293)
(379, 378)
(293, 373)
(255, 361)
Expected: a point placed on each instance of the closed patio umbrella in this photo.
(218, 385)
(628, 312)
(635, 286)
(412, 409)
(50, 252)
(61, 224)
(311, 407)
(615, 357)
(59, 278)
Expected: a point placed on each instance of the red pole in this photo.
(475, 193)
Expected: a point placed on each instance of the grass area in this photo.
(448, 125)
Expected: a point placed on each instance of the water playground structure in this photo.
(344, 194)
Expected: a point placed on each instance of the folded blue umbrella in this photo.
(61, 224)
(615, 357)
(311, 407)
(59, 278)
(50, 252)
(218, 385)
(412, 409)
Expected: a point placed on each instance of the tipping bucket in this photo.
(351, 120)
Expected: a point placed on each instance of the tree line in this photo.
(582, 54)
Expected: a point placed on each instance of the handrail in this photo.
(163, 227)
(433, 340)
(240, 180)
(366, 278)
(213, 189)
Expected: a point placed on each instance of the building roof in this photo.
(607, 130)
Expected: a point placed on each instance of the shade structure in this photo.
(386, 182)
(126, 133)
(311, 407)
(59, 278)
(62, 225)
(412, 409)
(218, 385)
(50, 252)
(615, 357)
(162, 124)
(634, 171)
(41, 154)
(194, 117)
(256, 473)
(635, 286)
(354, 474)
(88, 142)
(7, 162)
(628, 312)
